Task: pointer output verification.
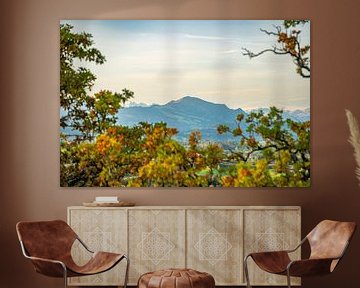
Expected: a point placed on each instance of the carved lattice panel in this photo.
(214, 244)
(271, 230)
(100, 230)
(156, 240)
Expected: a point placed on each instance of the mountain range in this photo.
(191, 113)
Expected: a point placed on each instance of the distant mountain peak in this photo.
(189, 98)
(193, 100)
(135, 104)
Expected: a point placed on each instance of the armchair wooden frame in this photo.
(65, 267)
(320, 262)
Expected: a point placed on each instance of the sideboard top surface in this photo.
(193, 207)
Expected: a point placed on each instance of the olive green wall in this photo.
(29, 119)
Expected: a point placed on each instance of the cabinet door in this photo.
(214, 244)
(270, 230)
(156, 240)
(101, 230)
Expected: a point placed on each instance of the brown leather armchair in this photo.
(48, 245)
(328, 242)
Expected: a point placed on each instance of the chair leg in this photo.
(127, 271)
(288, 278)
(65, 276)
(246, 270)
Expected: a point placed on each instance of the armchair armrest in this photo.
(279, 252)
(83, 244)
(298, 246)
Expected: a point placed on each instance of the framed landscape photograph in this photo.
(185, 103)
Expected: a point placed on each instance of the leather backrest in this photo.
(46, 239)
(329, 238)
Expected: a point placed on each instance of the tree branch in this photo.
(251, 54)
(289, 43)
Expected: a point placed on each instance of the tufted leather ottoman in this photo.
(176, 278)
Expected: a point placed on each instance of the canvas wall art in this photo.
(180, 103)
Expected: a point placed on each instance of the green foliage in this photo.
(278, 150)
(221, 129)
(85, 115)
(294, 23)
(102, 108)
(144, 155)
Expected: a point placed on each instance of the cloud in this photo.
(231, 51)
(203, 37)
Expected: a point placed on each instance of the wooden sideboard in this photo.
(212, 239)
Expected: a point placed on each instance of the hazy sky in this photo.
(166, 60)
